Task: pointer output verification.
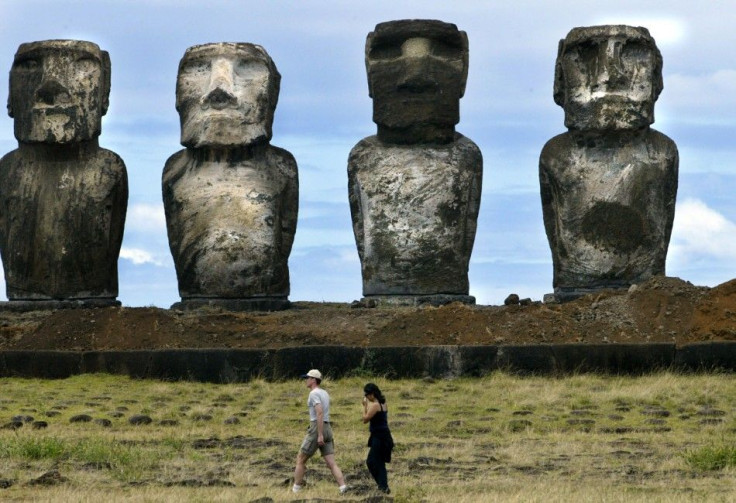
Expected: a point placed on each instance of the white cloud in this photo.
(701, 234)
(707, 92)
(145, 217)
(139, 256)
(666, 31)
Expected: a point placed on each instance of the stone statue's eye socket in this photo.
(635, 50)
(27, 64)
(445, 50)
(195, 66)
(249, 68)
(385, 51)
(86, 64)
(587, 51)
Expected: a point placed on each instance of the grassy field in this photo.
(663, 437)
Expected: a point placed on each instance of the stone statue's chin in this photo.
(58, 125)
(224, 131)
(614, 114)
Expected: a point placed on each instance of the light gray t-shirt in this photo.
(318, 395)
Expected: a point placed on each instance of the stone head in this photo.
(417, 70)
(59, 91)
(608, 78)
(226, 95)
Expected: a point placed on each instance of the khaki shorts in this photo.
(309, 445)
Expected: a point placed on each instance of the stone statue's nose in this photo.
(220, 93)
(417, 47)
(611, 72)
(220, 98)
(52, 92)
(417, 76)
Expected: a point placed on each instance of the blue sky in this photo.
(324, 109)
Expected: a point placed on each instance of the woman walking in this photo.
(375, 412)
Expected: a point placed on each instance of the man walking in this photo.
(319, 434)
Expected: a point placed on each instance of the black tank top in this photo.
(379, 421)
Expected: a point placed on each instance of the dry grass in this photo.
(663, 437)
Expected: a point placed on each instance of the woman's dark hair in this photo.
(372, 389)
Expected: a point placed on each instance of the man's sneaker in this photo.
(296, 488)
(344, 489)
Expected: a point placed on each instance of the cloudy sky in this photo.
(324, 109)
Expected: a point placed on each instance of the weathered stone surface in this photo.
(417, 70)
(242, 365)
(231, 199)
(434, 300)
(62, 198)
(414, 188)
(511, 300)
(609, 184)
(52, 305)
(254, 304)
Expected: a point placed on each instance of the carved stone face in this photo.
(226, 94)
(417, 71)
(608, 78)
(59, 91)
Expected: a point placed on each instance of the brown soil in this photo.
(661, 310)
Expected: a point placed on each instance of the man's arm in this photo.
(320, 423)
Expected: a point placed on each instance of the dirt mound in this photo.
(663, 309)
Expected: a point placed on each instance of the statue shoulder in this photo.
(556, 148)
(661, 140)
(174, 165)
(363, 152)
(111, 160)
(283, 159)
(176, 160)
(367, 144)
(468, 146)
(9, 158)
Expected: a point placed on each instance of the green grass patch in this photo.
(711, 458)
(33, 448)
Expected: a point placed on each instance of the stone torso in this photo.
(231, 223)
(608, 206)
(61, 224)
(414, 214)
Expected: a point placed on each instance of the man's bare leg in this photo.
(336, 472)
(301, 467)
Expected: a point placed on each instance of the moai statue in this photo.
(63, 199)
(609, 184)
(414, 188)
(231, 198)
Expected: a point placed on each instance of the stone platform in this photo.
(243, 305)
(434, 300)
(241, 365)
(19, 306)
